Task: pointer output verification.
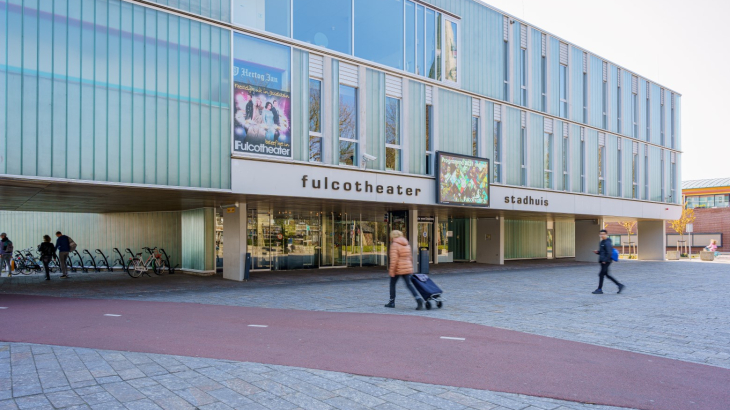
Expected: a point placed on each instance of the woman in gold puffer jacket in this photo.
(401, 266)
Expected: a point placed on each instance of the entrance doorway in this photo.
(550, 243)
(425, 238)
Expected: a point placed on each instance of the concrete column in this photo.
(490, 241)
(587, 240)
(435, 250)
(234, 243)
(413, 236)
(652, 240)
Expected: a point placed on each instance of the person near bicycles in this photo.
(6, 253)
(47, 251)
(63, 246)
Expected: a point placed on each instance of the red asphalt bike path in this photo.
(382, 345)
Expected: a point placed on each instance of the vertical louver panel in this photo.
(497, 112)
(582, 133)
(563, 54)
(505, 28)
(618, 77)
(648, 89)
(523, 119)
(646, 150)
(348, 74)
(523, 36)
(674, 157)
(672, 100)
(544, 45)
(601, 139)
(548, 125)
(475, 107)
(635, 148)
(634, 84)
(429, 95)
(585, 62)
(605, 71)
(393, 86)
(316, 65)
(565, 129)
(620, 143)
(661, 96)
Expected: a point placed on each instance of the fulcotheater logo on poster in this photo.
(528, 200)
(358, 186)
(263, 148)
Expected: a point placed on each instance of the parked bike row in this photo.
(136, 264)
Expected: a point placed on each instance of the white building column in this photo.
(234, 242)
(652, 240)
(587, 240)
(490, 241)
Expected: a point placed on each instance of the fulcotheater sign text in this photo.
(358, 186)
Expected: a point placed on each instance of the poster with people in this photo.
(463, 180)
(262, 104)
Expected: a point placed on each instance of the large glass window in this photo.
(672, 181)
(497, 152)
(325, 23)
(451, 50)
(619, 170)
(523, 156)
(267, 15)
(566, 159)
(585, 98)
(543, 81)
(431, 43)
(475, 136)
(379, 31)
(420, 39)
(315, 120)
(411, 37)
(392, 135)
(429, 140)
(648, 118)
(348, 126)
(548, 160)
(564, 91)
(663, 181)
(635, 114)
(582, 166)
(506, 71)
(635, 176)
(618, 106)
(523, 77)
(722, 201)
(662, 125)
(601, 170)
(671, 118)
(646, 177)
(604, 104)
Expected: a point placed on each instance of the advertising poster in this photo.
(261, 98)
(463, 180)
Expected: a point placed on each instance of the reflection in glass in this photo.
(324, 23)
(315, 105)
(563, 91)
(348, 153)
(431, 43)
(438, 46)
(566, 151)
(548, 160)
(450, 61)
(392, 121)
(497, 151)
(410, 37)
(268, 15)
(379, 31)
(420, 39)
(392, 159)
(272, 63)
(475, 136)
(315, 148)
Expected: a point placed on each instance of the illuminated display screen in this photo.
(462, 180)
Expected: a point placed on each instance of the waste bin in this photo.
(423, 261)
(247, 266)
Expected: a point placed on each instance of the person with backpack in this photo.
(6, 253)
(47, 251)
(401, 266)
(605, 257)
(64, 245)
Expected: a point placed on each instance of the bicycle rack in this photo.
(106, 261)
(92, 260)
(81, 261)
(120, 261)
(170, 268)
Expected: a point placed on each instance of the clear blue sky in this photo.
(681, 45)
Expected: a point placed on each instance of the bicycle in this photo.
(159, 264)
(137, 266)
(26, 263)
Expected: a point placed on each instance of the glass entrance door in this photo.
(335, 240)
(425, 238)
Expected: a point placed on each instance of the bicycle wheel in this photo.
(158, 266)
(135, 268)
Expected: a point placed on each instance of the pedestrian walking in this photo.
(6, 253)
(64, 245)
(401, 266)
(605, 251)
(47, 251)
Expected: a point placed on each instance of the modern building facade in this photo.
(309, 130)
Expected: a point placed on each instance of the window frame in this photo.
(646, 175)
(635, 114)
(543, 77)
(548, 160)
(604, 103)
(566, 162)
(523, 156)
(619, 126)
(497, 150)
(663, 180)
(523, 77)
(356, 159)
(429, 140)
(634, 174)
(399, 128)
(648, 118)
(601, 170)
(444, 19)
(506, 70)
(583, 187)
(620, 170)
(475, 136)
(564, 79)
(316, 134)
(585, 98)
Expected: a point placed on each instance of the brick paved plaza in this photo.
(674, 310)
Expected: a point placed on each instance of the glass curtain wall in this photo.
(267, 15)
(324, 23)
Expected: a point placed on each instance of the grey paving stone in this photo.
(230, 397)
(65, 399)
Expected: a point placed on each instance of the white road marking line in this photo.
(258, 325)
(452, 338)
(109, 314)
(3, 307)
